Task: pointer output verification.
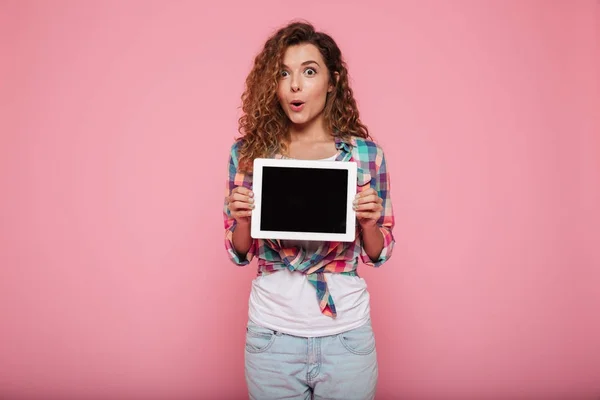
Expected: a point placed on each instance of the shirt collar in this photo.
(342, 144)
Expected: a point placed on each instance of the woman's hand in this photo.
(241, 203)
(368, 207)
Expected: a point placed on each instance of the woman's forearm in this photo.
(241, 239)
(372, 240)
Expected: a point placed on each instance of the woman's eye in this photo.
(310, 71)
(284, 74)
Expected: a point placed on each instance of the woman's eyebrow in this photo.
(305, 63)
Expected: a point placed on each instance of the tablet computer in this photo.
(304, 200)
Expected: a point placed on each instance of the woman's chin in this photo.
(297, 120)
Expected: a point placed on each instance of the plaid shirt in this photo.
(331, 257)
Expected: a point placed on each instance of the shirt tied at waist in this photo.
(314, 266)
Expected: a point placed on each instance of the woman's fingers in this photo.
(240, 198)
(241, 202)
(366, 192)
(370, 198)
(239, 214)
(368, 207)
(362, 215)
(240, 205)
(242, 190)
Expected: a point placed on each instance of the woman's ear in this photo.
(336, 76)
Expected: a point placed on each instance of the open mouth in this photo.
(297, 103)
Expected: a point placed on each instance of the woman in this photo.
(309, 332)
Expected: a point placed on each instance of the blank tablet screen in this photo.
(304, 199)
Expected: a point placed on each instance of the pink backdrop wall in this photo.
(115, 122)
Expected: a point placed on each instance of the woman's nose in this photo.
(295, 85)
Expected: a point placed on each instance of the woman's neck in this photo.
(313, 132)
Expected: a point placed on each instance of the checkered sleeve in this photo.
(381, 183)
(234, 179)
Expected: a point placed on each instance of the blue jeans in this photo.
(280, 366)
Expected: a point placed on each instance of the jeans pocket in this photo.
(359, 341)
(258, 339)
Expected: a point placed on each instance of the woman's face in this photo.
(303, 84)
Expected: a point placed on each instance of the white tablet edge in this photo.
(257, 233)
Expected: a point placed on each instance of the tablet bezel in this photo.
(257, 233)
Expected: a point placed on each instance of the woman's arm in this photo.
(236, 214)
(375, 215)
(241, 203)
(372, 239)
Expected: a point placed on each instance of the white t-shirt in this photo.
(286, 302)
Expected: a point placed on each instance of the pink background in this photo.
(115, 122)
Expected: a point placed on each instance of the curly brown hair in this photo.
(264, 125)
